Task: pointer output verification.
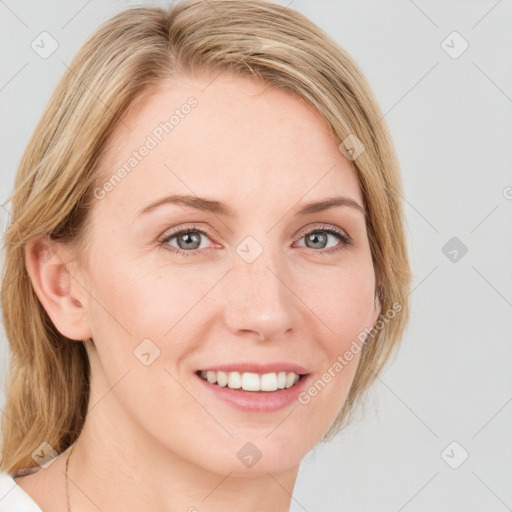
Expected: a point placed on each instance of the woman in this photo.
(206, 266)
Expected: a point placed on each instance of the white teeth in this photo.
(234, 380)
(268, 382)
(290, 379)
(222, 379)
(281, 380)
(251, 381)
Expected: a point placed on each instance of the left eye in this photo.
(318, 238)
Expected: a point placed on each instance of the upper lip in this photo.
(257, 368)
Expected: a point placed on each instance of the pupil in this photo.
(188, 238)
(315, 237)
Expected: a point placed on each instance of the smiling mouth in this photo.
(248, 381)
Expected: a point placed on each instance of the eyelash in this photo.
(344, 238)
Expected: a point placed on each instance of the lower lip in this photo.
(257, 401)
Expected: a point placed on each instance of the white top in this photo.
(13, 498)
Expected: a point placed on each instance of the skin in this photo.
(161, 439)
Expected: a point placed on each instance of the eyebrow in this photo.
(220, 208)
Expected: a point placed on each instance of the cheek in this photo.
(343, 301)
(132, 303)
(342, 298)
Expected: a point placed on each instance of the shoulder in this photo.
(13, 498)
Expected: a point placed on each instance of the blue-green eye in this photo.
(318, 238)
(189, 241)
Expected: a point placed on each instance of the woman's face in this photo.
(251, 287)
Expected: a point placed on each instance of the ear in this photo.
(377, 308)
(57, 288)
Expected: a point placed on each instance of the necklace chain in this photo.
(67, 491)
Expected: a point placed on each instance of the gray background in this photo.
(451, 122)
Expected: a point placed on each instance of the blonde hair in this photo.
(128, 56)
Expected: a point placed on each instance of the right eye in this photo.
(188, 241)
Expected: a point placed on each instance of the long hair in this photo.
(131, 54)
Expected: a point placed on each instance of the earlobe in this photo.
(57, 290)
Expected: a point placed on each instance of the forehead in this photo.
(227, 137)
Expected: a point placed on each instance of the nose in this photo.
(260, 300)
